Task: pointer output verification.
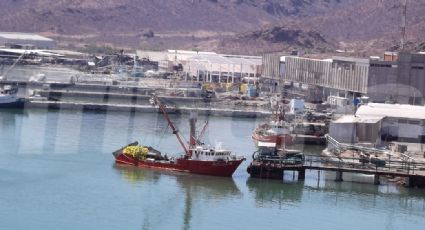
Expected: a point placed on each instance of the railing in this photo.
(340, 146)
(390, 166)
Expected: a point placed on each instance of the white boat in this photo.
(9, 97)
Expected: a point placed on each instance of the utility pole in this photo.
(403, 24)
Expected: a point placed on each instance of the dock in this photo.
(108, 107)
(274, 168)
(132, 98)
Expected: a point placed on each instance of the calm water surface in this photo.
(57, 172)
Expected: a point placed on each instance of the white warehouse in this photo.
(375, 123)
(25, 40)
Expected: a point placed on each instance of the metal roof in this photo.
(391, 110)
(350, 119)
(24, 36)
(224, 59)
(37, 52)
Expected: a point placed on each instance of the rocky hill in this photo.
(352, 24)
(275, 39)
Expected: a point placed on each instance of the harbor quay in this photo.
(340, 103)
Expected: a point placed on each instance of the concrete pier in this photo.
(264, 169)
(142, 108)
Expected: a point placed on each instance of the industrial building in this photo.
(396, 77)
(223, 68)
(25, 41)
(272, 66)
(375, 123)
(208, 66)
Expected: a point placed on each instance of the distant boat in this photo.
(276, 131)
(9, 97)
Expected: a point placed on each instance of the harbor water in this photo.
(57, 172)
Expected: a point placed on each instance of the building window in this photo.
(380, 65)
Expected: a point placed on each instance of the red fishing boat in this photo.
(198, 158)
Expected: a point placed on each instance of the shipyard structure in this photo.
(396, 77)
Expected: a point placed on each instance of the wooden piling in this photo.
(338, 175)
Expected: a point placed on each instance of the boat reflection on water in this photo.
(10, 121)
(209, 186)
(194, 188)
(198, 187)
(272, 192)
(135, 175)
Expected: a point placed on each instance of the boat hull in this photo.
(15, 104)
(211, 168)
(276, 139)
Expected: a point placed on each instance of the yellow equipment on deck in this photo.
(136, 151)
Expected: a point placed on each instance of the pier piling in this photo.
(301, 174)
(376, 179)
(338, 176)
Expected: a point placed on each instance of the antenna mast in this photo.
(403, 24)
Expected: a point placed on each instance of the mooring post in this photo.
(338, 175)
(318, 178)
(376, 179)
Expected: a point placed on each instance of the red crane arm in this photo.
(162, 108)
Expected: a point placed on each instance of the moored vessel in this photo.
(276, 131)
(198, 158)
(9, 97)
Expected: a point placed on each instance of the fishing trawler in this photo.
(198, 158)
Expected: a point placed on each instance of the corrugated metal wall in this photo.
(271, 65)
(348, 76)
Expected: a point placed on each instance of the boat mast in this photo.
(155, 101)
(203, 131)
(192, 122)
(4, 77)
